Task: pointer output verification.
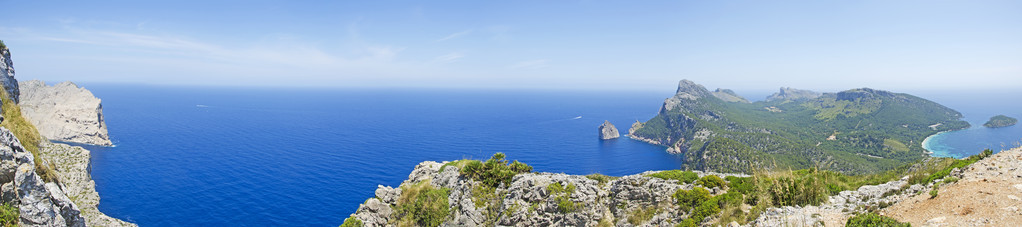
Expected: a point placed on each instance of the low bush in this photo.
(563, 196)
(933, 193)
(744, 185)
(422, 205)
(495, 171)
(688, 199)
(711, 181)
(681, 176)
(348, 222)
(600, 178)
(873, 219)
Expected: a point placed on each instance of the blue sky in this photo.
(591, 45)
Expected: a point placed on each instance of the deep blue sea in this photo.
(200, 156)
(215, 156)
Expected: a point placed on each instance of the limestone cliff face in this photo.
(64, 112)
(7, 80)
(39, 203)
(787, 93)
(74, 171)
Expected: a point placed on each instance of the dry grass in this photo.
(27, 134)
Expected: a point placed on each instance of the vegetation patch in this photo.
(711, 181)
(873, 219)
(681, 176)
(350, 222)
(422, 205)
(495, 171)
(600, 178)
(9, 215)
(27, 134)
(563, 196)
(642, 215)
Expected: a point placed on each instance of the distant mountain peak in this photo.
(787, 93)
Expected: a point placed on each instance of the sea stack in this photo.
(608, 131)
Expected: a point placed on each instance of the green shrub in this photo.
(949, 180)
(9, 215)
(494, 171)
(933, 193)
(872, 219)
(350, 222)
(744, 185)
(600, 178)
(681, 176)
(423, 205)
(689, 222)
(565, 205)
(688, 199)
(556, 188)
(711, 181)
(705, 209)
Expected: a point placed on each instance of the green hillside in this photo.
(853, 131)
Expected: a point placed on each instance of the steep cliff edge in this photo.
(46, 182)
(64, 112)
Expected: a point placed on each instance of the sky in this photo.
(579, 45)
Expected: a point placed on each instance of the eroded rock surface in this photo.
(608, 131)
(39, 203)
(73, 170)
(64, 112)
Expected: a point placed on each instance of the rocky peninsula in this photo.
(1000, 121)
(608, 131)
(64, 112)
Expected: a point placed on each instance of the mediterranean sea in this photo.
(221, 156)
(216, 156)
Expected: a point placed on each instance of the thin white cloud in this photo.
(455, 35)
(448, 58)
(531, 64)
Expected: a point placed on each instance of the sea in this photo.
(228, 156)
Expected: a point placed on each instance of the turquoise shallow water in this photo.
(977, 107)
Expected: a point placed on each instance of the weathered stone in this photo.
(608, 131)
(64, 112)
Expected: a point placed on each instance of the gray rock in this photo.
(635, 127)
(73, 171)
(787, 93)
(7, 75)
(608, 131)
(36, 207)
(729, 96)
(64, 112)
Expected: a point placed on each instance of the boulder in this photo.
(608, 131)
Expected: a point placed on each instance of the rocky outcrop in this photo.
(635, 126)
(608, 131)
(7, 80)
(64, 112)
(787, 93)
(729, 96)
(73, 169)
(528, 200)
(39, 203)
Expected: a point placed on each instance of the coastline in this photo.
(926, 145)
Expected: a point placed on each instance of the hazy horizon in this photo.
(750, 47)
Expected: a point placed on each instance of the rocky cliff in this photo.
(7, 80)
(787, 93)
(608, 131)
(39, 203)
(74, 171)
(64, 112)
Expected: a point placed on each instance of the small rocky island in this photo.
(1000, 121)
(608, 131)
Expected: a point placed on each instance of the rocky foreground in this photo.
(988, 193)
